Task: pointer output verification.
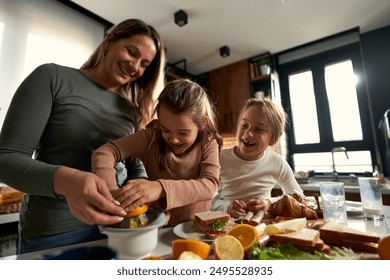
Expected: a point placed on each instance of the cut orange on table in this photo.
(153, 258)
(384, 248)
(246, 234)
(202, 249)
(227, 247)
(189, 255)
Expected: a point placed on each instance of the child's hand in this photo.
(138, 192)
(255, 204)
(237, 208)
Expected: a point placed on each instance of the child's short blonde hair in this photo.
(275, 115)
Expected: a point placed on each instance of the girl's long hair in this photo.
(181, 96)
(142, 92)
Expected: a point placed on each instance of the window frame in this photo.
(316, 63)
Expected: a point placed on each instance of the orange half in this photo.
(137, 211)
(246, 234)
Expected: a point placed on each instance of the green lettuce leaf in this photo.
(289, 252)
(218, 225)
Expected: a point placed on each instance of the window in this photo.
(324, 96)
(37, 32)
(1, 34)
(52, 48)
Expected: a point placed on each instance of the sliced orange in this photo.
(227, 247)
(246, 234)
(202, 249)
(153, 258)
(137, 211)
(189, 255)
(384, 248)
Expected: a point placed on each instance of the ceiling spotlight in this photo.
(181, 18)
(224, 51)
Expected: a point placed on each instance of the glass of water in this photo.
(333, 202)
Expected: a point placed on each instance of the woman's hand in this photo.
(138, 192)
(256, 204)
(236, 209)
(87, 196)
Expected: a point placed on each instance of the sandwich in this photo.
(305, 239)
(213, 223)
(295, 232)
(342, 235)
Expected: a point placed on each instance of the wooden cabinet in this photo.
(229, 88)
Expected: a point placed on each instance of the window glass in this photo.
(340, 83)
(357, 162)
(49, 48)
(1, 34)
(304, 110)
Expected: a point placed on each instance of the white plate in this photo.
(353, 207)
(187, 230)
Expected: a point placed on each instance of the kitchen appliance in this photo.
(135, 243)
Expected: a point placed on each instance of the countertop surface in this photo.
(349, 188)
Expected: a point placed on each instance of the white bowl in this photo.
(135, 243)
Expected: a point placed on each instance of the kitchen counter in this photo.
(9, 218)
(352, 191)
(166, 235)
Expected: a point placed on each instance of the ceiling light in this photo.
(181, 18)
(224, 51)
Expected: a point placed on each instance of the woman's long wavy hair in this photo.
(181, 96)
(142, 92)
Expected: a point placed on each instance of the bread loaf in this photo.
(290, 207)
(342, 235)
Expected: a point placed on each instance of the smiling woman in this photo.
(57, 117)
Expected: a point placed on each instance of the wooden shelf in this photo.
(261, 78)
(260, 82)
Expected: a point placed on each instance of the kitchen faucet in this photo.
(335, 150)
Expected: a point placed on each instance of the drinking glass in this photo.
(371, 197)
(333, 202)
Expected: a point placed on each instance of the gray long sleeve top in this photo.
(61, 116)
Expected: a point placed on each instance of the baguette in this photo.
(286, 226)
(332, 232)
(304, 237)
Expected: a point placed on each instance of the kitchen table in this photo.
(166, 235)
